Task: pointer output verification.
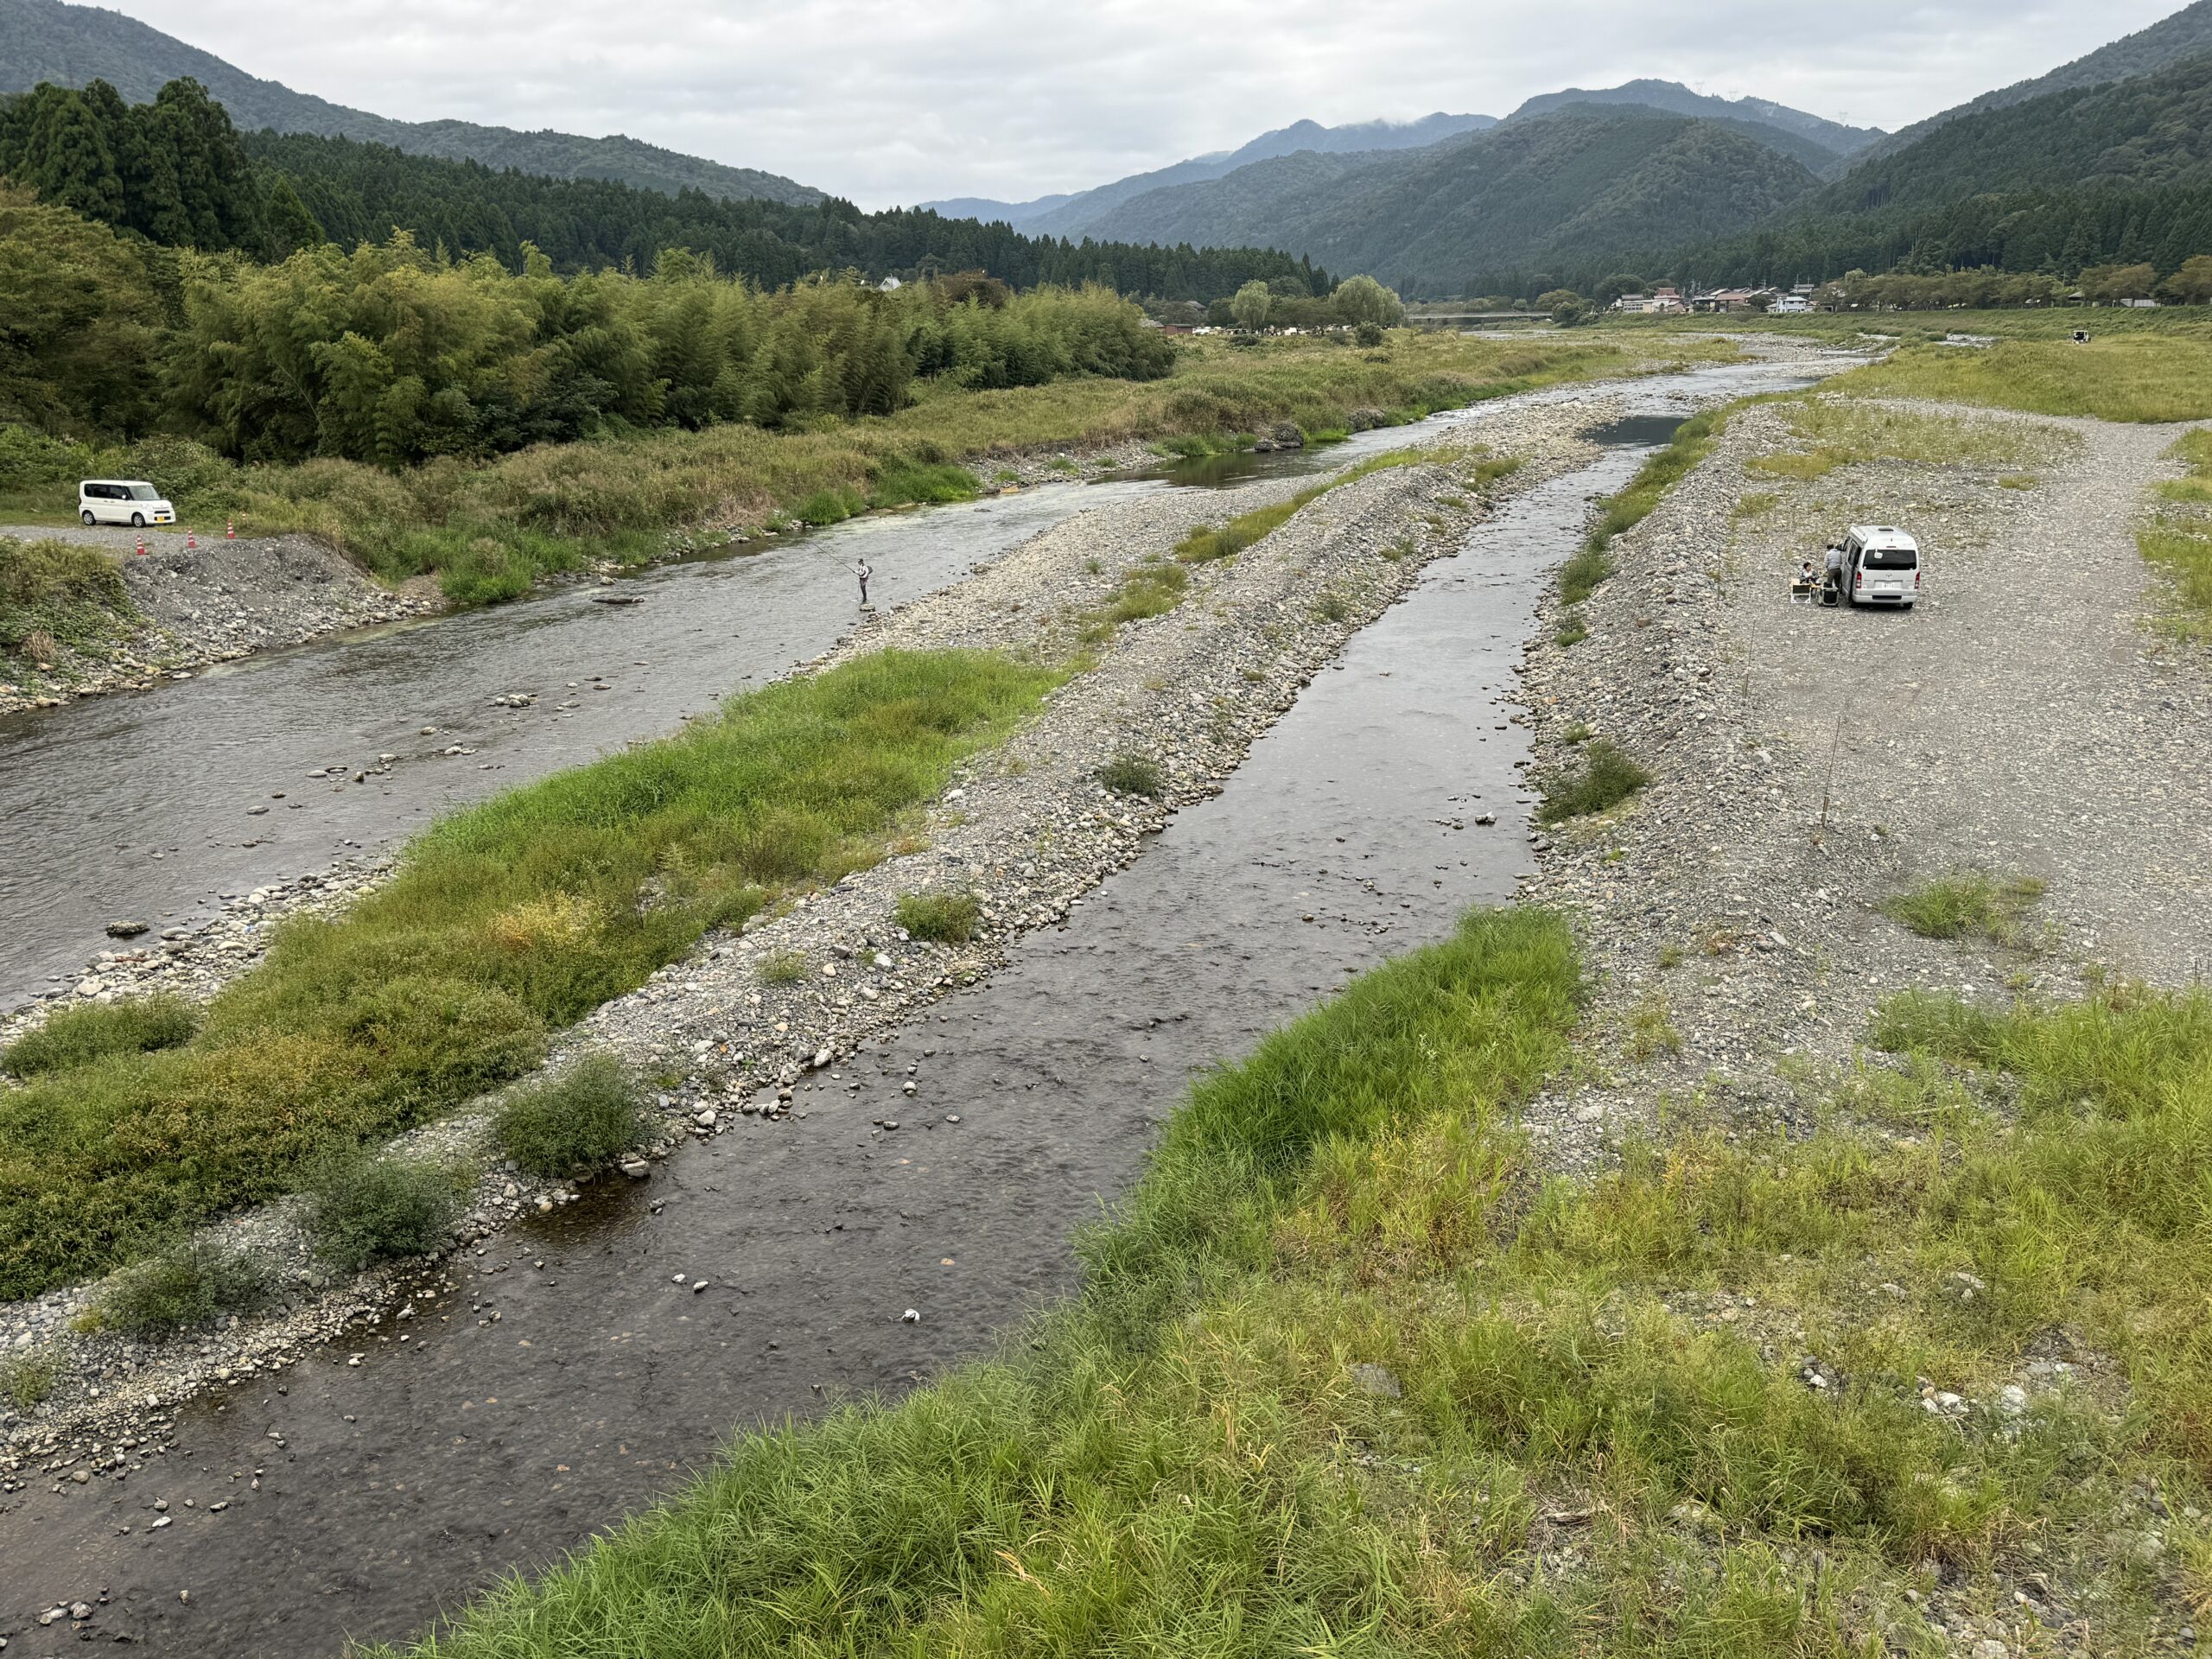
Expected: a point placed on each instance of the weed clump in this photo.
(586, 1116)
(26, 1380)
(783, 968)
(185, 1287)
(1607, 777)
(79, 1036)
(1967, 903)
(1131, 773)
(945, 917)
(363, 1209)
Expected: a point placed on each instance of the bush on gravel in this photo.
(60, 593)
(363, 1209)
(183, 1287)
(78, 1036)
(586, 1115)
(1607, 777)
(943, 918)
(1131, 773)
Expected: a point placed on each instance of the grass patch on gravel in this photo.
(503, 923)
(363, 1209)
(1605, 777)
(1131, 773)
(186, 1286)
(1838, 433)
(943, 918)
(1352, 1372)
(26, 1380)
(2164, 375)
(57, 596)
(2178, 541)
(1968, 904)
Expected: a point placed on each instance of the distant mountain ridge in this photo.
(1074, 214)
(1678, 100)
(72, 45)
(2184, 35)
(1559, 185)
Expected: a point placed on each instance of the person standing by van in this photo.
(1832, 571)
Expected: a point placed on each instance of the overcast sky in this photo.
(889, 101)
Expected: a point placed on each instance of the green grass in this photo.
(1131, 773)
(2178, 540)
(26, 1380)
(945, 917)
(589, 1115)
(2148, 375)
(59, 596)
(1572, 1449)
(1606, 777)
(1968, 904)
(183, 1287)
(783, 968)
(1838, 433)
(503, 923)
(1151, 587)
(92, 1031)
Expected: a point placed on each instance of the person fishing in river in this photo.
(864, 570)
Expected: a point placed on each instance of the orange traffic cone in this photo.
(230, 530)
(142, 547)
(189, 540)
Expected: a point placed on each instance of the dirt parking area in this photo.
(2026, 719)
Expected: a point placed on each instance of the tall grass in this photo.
(1196, 1456)
(1836, 433)
(2178, 541)
(60, 593)
(2161, 375)
(1967, 903)
(503, 922)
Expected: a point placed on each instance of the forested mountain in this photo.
(2169, 41)
(1074, 215)
(175, 172)
(1461, 217)
(1829, 139)
(2117, 174)
(69, 46)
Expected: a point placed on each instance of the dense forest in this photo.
(177, 171)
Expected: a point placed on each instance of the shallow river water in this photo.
(392, 1489)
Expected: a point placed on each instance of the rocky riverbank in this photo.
(1026, 831)
(211, 603)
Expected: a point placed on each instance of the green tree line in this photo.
(395, 353)
(177, 171)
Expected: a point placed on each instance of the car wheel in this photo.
(86, 515)
(137, 521)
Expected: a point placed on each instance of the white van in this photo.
(123, 501)
(1881, 566)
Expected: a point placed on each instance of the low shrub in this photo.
(1131, 773)
(947, 918)
(783, 968)
(1967, 903)
(586, 1115)
(26, 1380)
(76, 1036)
(185, 1287)
(1607, 777)
(364, 1209)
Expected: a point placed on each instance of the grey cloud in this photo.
(885, 102)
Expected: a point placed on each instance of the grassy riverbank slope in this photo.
(489, 530)
(1355, 1371)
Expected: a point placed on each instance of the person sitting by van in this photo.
(1832, 572)
(1802, 581)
